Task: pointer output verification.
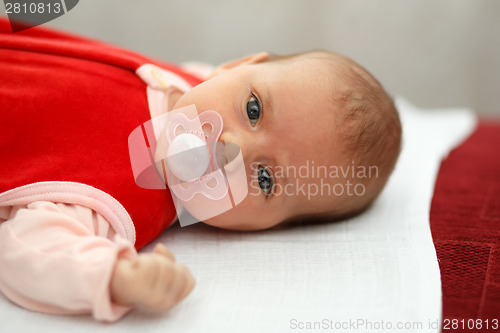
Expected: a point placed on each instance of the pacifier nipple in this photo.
(188, 157)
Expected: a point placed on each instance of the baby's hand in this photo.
(152, 280)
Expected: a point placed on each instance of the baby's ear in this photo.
(248, 60)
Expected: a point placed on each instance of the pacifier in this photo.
(191, 156)
(180, 150)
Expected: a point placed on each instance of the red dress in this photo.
(67, 106)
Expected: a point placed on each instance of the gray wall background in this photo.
(436, 53)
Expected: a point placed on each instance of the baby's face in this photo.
(282, 117)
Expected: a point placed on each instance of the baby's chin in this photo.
(180, 99)
(175, 100)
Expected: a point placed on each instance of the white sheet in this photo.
(372, 271)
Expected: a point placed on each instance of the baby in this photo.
(316, 110)
(319, 138)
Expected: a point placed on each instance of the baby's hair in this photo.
(367, 121)
(369, 125)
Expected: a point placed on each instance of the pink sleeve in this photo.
(59, 258)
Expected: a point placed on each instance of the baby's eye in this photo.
(254, 109)
(265, 180)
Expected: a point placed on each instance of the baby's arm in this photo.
(66, 259)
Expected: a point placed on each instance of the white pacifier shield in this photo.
(188, 157)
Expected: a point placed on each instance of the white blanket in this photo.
(375, 272)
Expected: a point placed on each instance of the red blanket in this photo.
(465, 224)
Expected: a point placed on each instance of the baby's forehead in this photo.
(304, 99)
(326, 62)
(327, 76)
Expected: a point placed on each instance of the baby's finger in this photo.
(164, 251)
(178, 283)
(184, 283)
(189, 283)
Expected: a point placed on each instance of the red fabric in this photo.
(465, 224)
(67, 107)
(59, 43)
